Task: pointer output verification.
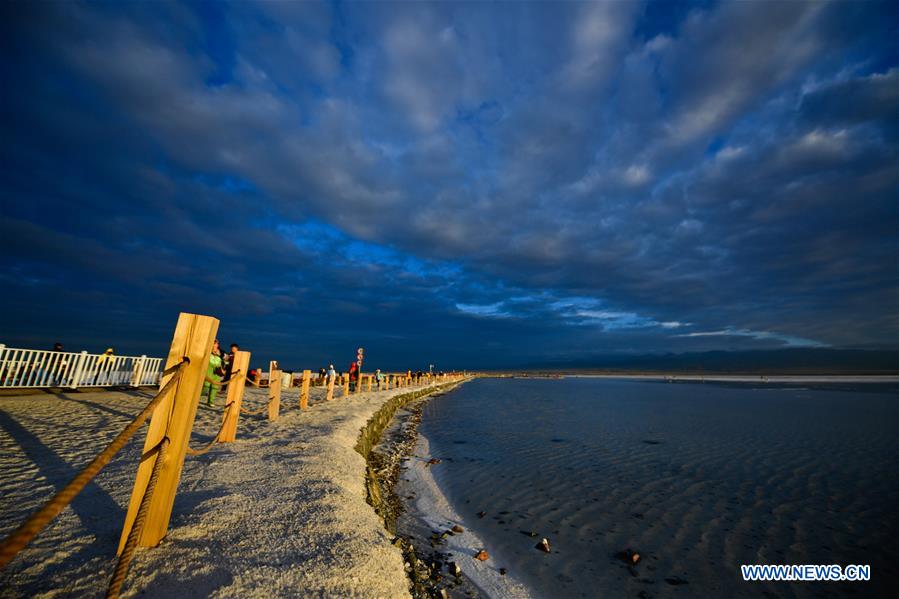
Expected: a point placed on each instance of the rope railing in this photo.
(35, 523)
(214, 382)
(259, 412)
(208, 446)
(220, 384)
(121, 568)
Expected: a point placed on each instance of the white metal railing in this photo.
(24, 368)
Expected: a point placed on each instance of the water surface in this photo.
(697, 478)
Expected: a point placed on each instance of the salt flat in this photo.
(280, 512)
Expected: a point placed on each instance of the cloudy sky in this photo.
(468, 184)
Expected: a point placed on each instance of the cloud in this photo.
(623, 171)
(851, 101)
(492, 310)
(787, 340)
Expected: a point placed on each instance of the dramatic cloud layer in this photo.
(460, 183)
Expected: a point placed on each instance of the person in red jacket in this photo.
(354, 375)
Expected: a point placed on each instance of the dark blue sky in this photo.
(468, 184)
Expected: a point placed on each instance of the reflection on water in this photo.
(697, 479)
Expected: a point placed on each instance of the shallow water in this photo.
(697, 478)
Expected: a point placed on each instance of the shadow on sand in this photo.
(100, 516)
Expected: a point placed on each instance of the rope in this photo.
(212, 381)
(205, 448)
(208, 446)
(20, 537)
(233, 374)
(121, 568)
(259, 412)
(175, 367)
(254, 412)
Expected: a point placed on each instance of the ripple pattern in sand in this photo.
(697, 478)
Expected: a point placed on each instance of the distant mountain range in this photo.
(781, 361)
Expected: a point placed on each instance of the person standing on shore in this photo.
(378, 377)
(229, 362)
(59, 368)
(332, 374)
(214, 372)
(104, 363)
(322, 376)
(354, 375)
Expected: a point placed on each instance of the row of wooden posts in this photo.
(174, 416)
(368, 381)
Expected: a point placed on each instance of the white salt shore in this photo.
(280, 512)
(432, 507)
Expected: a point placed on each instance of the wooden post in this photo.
(346, 385)
(272, 366)
(257, 378)
(304, 390)
(172, 418)
(358, 382)
(235, 396)
(330, 395)
(274, 402)
(274, 388)
(370, 377)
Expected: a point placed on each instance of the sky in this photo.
(467, 184)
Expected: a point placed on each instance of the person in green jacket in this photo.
(214, 373)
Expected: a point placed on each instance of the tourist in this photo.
(229, 361)
(57, 368)
(104, 365)
(354, 375)
(214, 372)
